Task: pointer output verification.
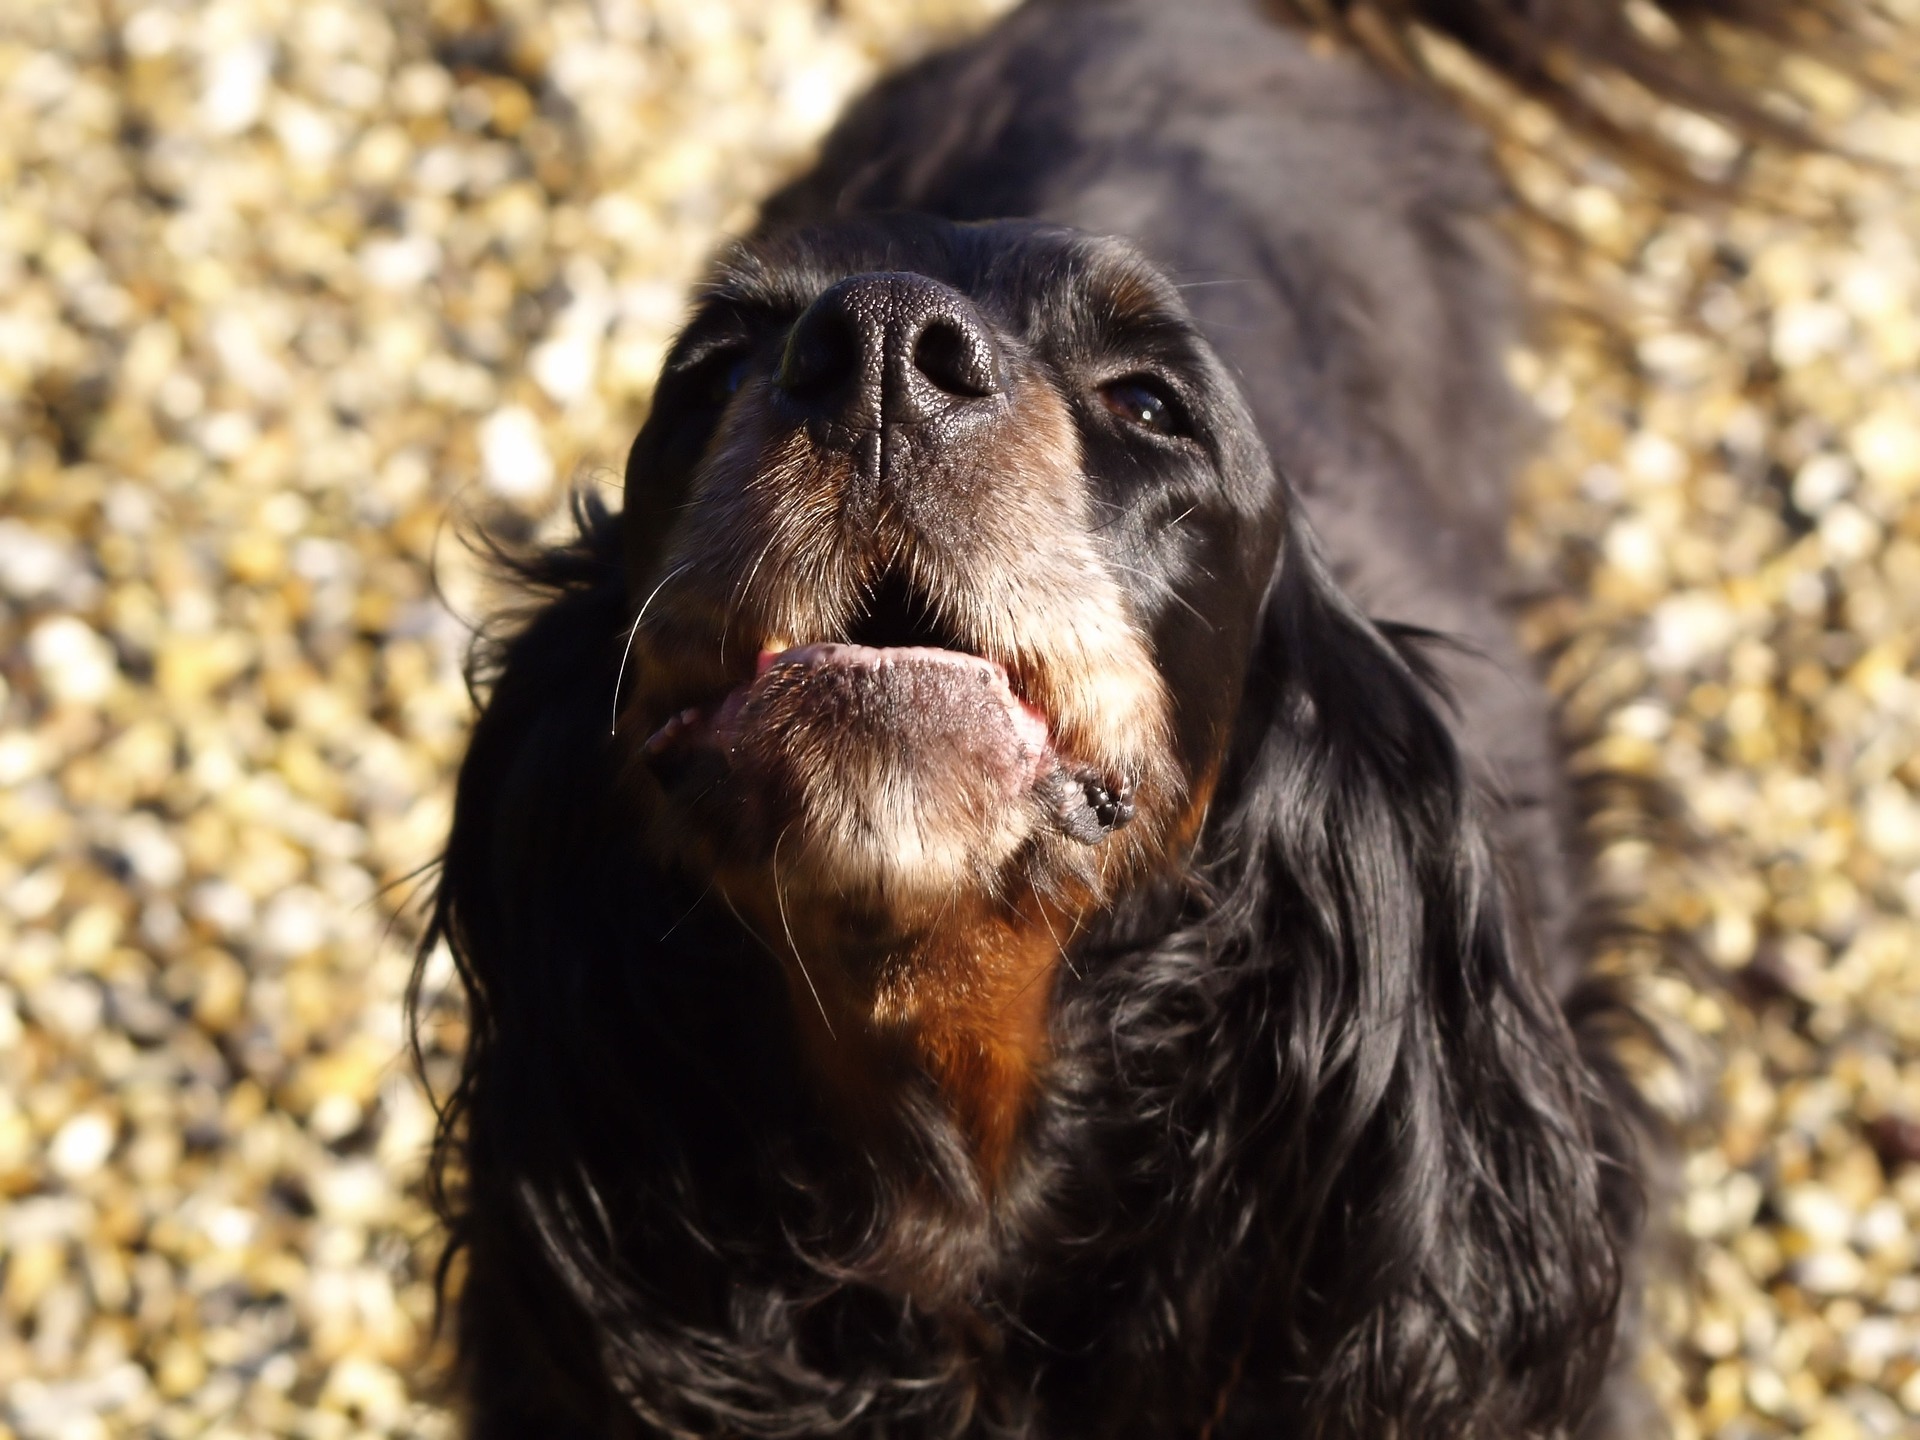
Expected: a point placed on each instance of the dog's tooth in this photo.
(771, 649)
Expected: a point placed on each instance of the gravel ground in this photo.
(293, 290)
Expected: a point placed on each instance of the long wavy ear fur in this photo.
(515, 907)
(1445, 1264)
(594, 1050)
(627, 1164)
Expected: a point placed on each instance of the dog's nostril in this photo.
(953, 359)
(823, 354)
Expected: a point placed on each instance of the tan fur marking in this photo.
(967, 1004)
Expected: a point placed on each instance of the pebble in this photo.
(1747, 635)
(295, 292)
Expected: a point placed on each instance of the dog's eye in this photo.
(703, 385)
(723, 375)
(1143, 401)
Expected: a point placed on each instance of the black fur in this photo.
(1319, 1151)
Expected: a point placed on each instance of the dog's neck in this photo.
(962, 1005)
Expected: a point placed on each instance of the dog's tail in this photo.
(1717, 58)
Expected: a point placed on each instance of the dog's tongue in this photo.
(930, 727)
(928, 709)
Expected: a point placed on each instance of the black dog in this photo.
(1031, 956)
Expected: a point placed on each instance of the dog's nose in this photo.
(891, 348)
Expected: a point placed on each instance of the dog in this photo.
(1022, 885)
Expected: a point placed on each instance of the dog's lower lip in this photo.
(715, 722)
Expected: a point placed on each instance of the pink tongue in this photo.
(809, 670)
(1030, 724)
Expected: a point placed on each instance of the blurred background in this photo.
(294, 292)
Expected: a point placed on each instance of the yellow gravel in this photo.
(293, 291)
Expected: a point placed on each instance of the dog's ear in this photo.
(1443, 1243)
(522, 898)
(626, 1090)
(572, 1036)
(515, 905)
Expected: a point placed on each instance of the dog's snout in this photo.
(890, 348)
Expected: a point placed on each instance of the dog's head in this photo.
(945, 545)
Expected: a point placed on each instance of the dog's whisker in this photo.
(780, 903)
(687, 914)
(899, 542)
(740, 589)
(747, 928)
(1039, 973)
(1040, 906)
(620, 674)
(1172, 594)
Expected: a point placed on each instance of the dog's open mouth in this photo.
(908, 692)
(903, 701)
